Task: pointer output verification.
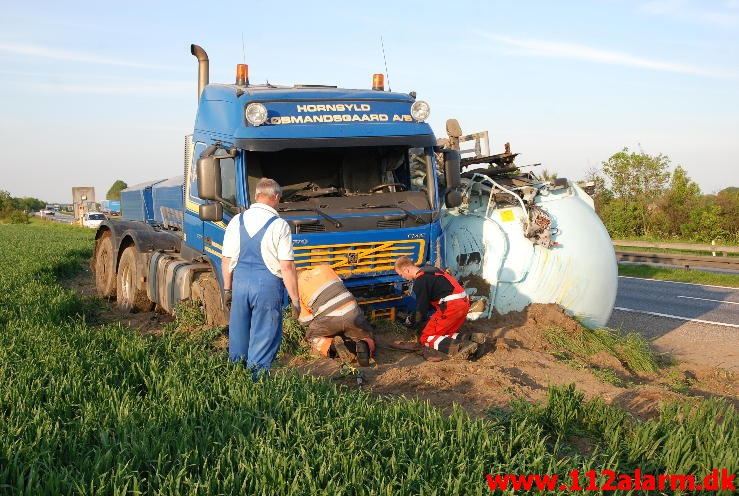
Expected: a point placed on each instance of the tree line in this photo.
(15, 210)
(637, 195)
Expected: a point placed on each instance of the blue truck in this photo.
(110, 206)
(361, 187)
(137, 202)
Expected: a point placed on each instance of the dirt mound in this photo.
(525, 329)
(518, 362)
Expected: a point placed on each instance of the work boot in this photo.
(363, 354)
(342, 351)
(463, 350)
(475, 337)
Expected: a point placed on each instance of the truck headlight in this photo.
(256, 114)
(420, 110)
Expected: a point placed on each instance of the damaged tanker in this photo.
(531, 241)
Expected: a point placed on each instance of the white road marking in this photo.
(669, 316)
(708, 299)
(678, 282)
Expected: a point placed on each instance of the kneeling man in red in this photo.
(435, 288)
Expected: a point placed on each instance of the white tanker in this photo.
(532, 241)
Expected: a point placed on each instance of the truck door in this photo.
(213, 232)
(193, 225)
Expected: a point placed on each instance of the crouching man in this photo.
(336, 324)
(435, 288)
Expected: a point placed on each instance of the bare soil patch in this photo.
(518, 361)
(146, 322)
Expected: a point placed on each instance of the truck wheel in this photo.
(129, 297)
(207, 291)
(104, 268)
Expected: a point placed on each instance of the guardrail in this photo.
(686, 260)
(61, 218)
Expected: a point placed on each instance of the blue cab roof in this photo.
(306, 112)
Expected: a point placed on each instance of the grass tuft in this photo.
(631, 349)
(293, 338)
(189, 316)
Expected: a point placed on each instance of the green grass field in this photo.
(100, 409)
(680, 275)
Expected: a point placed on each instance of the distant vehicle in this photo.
(93, 219)
(111, 207)
(47, 211)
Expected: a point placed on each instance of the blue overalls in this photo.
(255, 327)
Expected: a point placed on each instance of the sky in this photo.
(91, 93)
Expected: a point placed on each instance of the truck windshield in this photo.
(369, 172)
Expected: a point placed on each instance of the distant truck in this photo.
(110, 207)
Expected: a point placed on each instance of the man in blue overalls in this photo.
(257, 258)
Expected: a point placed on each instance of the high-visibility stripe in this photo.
(333, 301)
(321, 289)
(454, 296)
(437, 341)
(343, 310)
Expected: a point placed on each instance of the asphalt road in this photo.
(59, 217)
(698, 323)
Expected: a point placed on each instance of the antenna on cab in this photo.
(243, 47)
(387, 75)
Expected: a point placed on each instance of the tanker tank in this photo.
(531, 241)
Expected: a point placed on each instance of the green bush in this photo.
(637, 196)
(18, 217)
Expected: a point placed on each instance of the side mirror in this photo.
(209, 178)
(453, 173)
(212, 212)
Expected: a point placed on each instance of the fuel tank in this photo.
(545, 244)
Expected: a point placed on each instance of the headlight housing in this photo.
(420, 110)
(256, 114)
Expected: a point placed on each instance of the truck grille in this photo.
(389, 224)
(357, 259)
(309, 228)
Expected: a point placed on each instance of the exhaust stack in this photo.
(203, 67)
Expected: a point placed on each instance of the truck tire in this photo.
(104, 267)
(128, 296)
(207, 291)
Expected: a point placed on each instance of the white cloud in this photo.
(53, 53)
(577, 51)
(724, 13)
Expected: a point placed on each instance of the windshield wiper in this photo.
(317, 210)
(407, 212)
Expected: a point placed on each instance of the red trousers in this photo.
(444, 323)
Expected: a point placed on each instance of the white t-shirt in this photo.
(277, 243)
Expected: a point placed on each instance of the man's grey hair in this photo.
(268, 187)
